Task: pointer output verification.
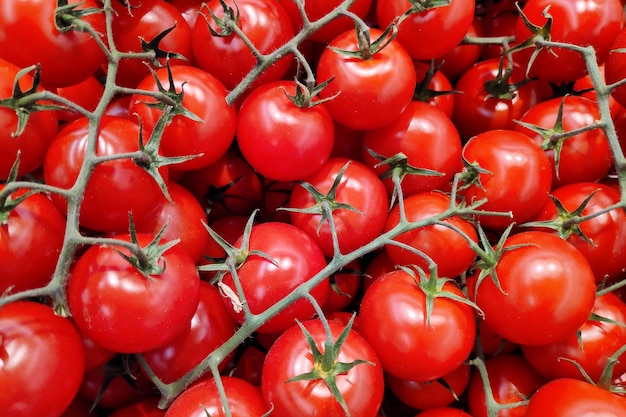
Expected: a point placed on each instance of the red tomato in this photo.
(227, 187)
(182, 218)
(291, 355)
(499, 20)
(511, 379)
(586, 88)
(281, 139)
(318, 9)
(590, 346)
(429, 33)
(29, 36)
(290, 259)
(574, 398)
(546, 293)
(445, 246)
(86, 94)
(111, 192)
(393, 319)
(435, 88)
(371, 90)
(455, 62)
(120, 308)
(606, 232)
(426, 138)
(443, 412)
(38, 132)
(430, 394)
(489, 99)
(345, 283)
(37, 348)
(249, 365)
(144, 408)
(592, 23)
(516, 177)
(614, 68)
(210, 326)
(34, 229)
(265, 23)
(138, 22)
(203, 399)
(230, 229)
(583, 157)
(203, 95)
(356, 226)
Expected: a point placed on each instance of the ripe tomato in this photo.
(592, 23)
(445, 246)
(490, 99)
(136, 22)
(345, 284)
(29, 36)
(210, 326)
(281, 139)
(590, 346)
(571, 397)
(430, 33)
(546, 293)
(265, 23)
(290, 259)
(431, 394)
(120, 308)
(42, 359)
(428, 140)
(86, 94)
(443, 412)
(393, 319)
(511, 380)
(291, 355)
(583, 157)
(111, 191)
(517, 176)
(182, 218)
(37, 134)
(34, 229)
(455, 62)
(614, 68)
(203, 95)
(435, 88)
(499, 20)
(371, 90)
(606, 232)
(360, 188)
(143, 408)
(203, 399)
(318, 9)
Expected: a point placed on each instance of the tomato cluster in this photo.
(326, 208)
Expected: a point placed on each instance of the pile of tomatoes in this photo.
(286, 208)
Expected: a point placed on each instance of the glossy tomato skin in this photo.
(86, 94)
(429, 34)
(125, 311)
(607, 231)
(511, 379)
(227, 57)
(145, 21)
(583, 157)
(35, 229)
(590, 349)
(426, 395)
(111, 191)
(28, 36)
(372, 91)
(574, 398)
(480, 106)
(296, 259)
(518, 180)
(547, 290)
(361, 387)
(445, 246)
(279, 139)
(438, 92)
(203, 95)
(210, 326)
(393, 320)
(463, 56)
(182, 218)
(244, 400)
(614, 68)
(428, 139)
(37, 134)
(37, 347)
(318, 9)
(360, 188)
(592, 23)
